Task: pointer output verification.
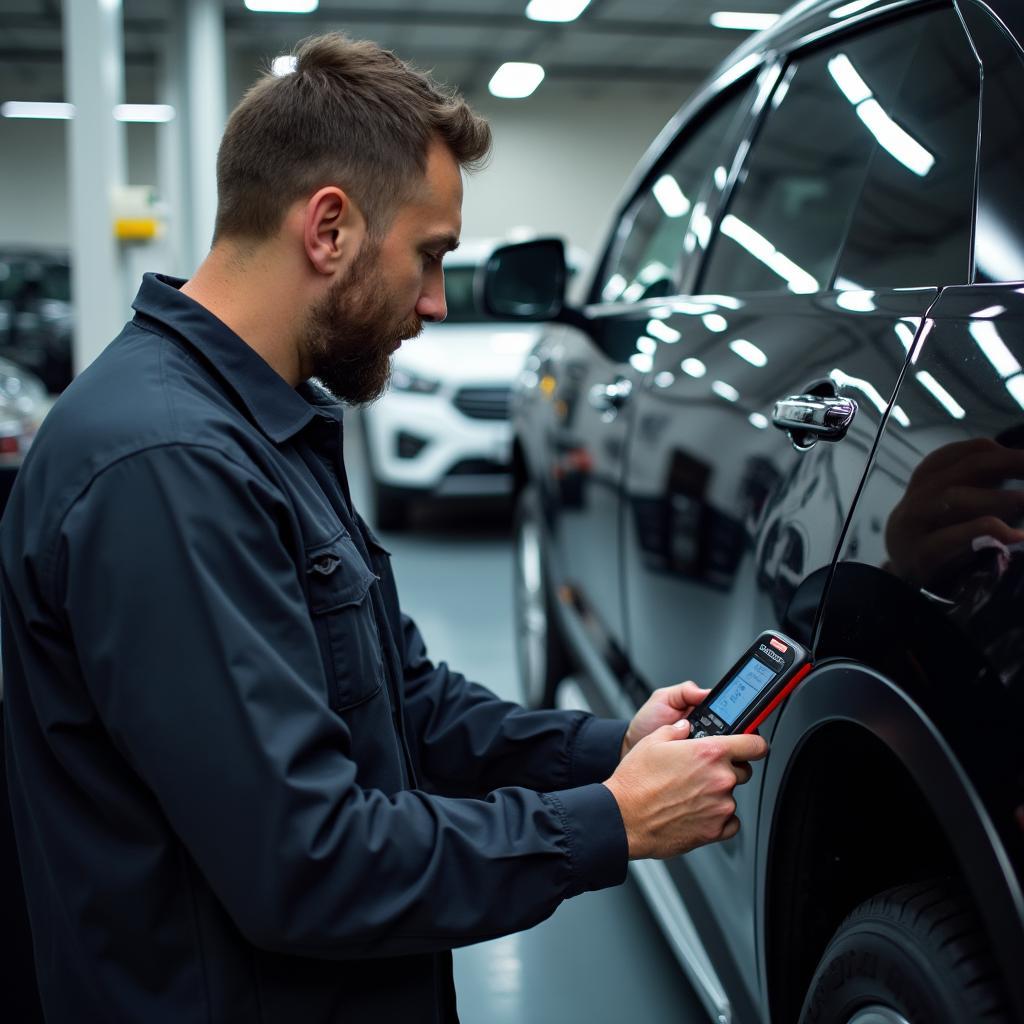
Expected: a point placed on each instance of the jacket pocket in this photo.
(341, 606)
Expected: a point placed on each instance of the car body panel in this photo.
(708, 526)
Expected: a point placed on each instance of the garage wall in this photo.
(559, 164)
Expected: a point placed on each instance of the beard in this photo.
(351, 334)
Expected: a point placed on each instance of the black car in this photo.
(794, 398)
(36, 313)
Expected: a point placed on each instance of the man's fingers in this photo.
(743, 772)
(731, 827)
(685, 695)
(743, 747)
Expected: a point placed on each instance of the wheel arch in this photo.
(879, 818)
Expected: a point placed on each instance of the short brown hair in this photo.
(351, 114)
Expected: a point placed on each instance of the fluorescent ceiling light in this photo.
(670, 196)
(284, 65)
(641, 362)
(693, 367)
(851, 8)
(663, 332)
(987, 336)
(905, 334)
(856, 301)
(749, 351)
(715, 322)
(898, 142)
(613, 288)
(758, 420)
(665, 379)
(721, 177)
(651, 272)
(515, 80)
(738, 70)
(796, 278)
(1015, 385)
(727, 301)
(556, 10)
(745, 21)
(941, 395)
(646, 345)
(846, 76)
(48, 111)
(894, 139)
(147, 113)
(726, 391)
(283, 6)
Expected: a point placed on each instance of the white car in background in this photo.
(442, 430)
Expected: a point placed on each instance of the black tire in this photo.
(540, 652)
(916, 954)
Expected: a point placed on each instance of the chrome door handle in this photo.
(610, 398)
(811, 418)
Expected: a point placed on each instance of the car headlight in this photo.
(402, 380)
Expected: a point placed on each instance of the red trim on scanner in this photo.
(779, 698)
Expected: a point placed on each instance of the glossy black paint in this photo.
(682, 522)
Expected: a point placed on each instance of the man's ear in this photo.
(332, 229)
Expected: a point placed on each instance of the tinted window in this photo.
(913, 220)
(999, 239)
(646, 256)
(789, 215)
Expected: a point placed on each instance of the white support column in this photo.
(94, 84)
(172, 177)
(207, 112)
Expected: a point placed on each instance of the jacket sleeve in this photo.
(469, 741)
(199, 653)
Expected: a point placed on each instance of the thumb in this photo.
(680, 730)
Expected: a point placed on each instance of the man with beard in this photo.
(241, 790)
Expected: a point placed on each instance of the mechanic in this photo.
(241, 790)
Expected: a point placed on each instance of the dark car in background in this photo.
(794, 399)
(36, 313)
(23, 404)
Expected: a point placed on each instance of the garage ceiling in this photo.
(658, 43)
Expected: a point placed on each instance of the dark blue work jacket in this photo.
(241, 791)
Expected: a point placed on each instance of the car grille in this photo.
(484, 403)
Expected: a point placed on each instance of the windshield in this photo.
(22, 279)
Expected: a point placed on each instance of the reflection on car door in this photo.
(601, 370)
(820, 271)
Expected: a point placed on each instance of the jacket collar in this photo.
(279, 410)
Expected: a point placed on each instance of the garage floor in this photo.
(601, 958)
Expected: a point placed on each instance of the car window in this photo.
(912, 224)
(999, 234)
(790, 210)
(646, 255)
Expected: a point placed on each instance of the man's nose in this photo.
(432, 306)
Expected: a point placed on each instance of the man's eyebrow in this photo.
(447, 242)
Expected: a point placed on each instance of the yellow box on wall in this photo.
(136, 229)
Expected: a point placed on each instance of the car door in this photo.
(595, 372)
(853, 204)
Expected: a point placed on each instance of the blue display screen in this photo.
(741, 690)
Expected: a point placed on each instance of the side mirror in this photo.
(525, 281)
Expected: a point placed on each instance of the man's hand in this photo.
(666, 706)
(674, 796)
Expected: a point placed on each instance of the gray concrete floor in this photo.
(601, 958)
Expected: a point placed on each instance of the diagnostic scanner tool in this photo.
(753, 688)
